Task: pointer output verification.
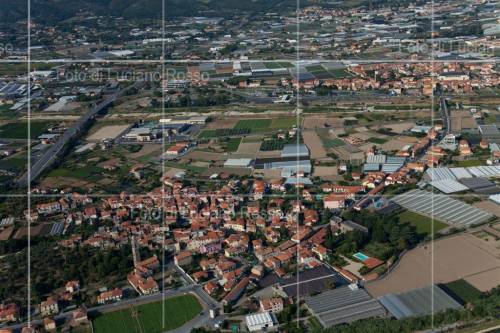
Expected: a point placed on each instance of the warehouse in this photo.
(418, 302)
(294, 150)
(238, 163)
(344, 305)
(259, 321)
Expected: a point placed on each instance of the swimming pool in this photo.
(360, 256)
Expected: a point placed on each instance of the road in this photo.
(53, 153)
(445, 114)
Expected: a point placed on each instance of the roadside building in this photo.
(110, 296)
(259, 321)
(274, 304)
(49, 307)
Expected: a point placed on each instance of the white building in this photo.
(259, 321)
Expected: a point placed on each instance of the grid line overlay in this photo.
(162, 56)
(29, 163)
(432, 194)
(299, 130)
(163, 61)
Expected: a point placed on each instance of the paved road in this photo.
(53, 153)
(445, 114)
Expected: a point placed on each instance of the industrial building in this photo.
(259, 321)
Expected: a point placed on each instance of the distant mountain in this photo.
(53, 11)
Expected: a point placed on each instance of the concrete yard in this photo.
(107, 132)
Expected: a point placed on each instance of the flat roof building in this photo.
(294, 150)
(259, 321)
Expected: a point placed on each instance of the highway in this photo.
(54, 152)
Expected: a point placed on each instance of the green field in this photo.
(315, 68)
(223, 132)
(464, 290)
(89, 172)
(233, 144)
(148, 318)
(470, 163)
(422, 223)
(15, 164)
(20, 130)
(254, 124)
(283, 123)
(272, 65)
(378, 141)
(332, 143)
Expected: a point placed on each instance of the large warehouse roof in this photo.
(441, 207)
(418, 302)
(344, 305)
(294, 150)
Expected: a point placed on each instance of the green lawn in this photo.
(20, 130)
(254, 124)
(148, 318)
(378, 141)
(464, 290)
(89, 172)
(332, 143)
(422, 223)
(469, 163)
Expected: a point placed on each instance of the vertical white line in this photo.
(29, 163)
(432, 194)
(163, 160)
(298, 133)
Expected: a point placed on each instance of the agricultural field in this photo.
(16, 163)
(464, 290)
(422, 223)
(232, 144)
(258, 125)
(469, 163)
(254, 124)
(332, 143)
(19, 130)
(477, 264)
(221, 132)
(378, 141)
(149, 317)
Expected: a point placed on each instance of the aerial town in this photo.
(269, 166)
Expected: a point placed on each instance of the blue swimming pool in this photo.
(360, 256)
